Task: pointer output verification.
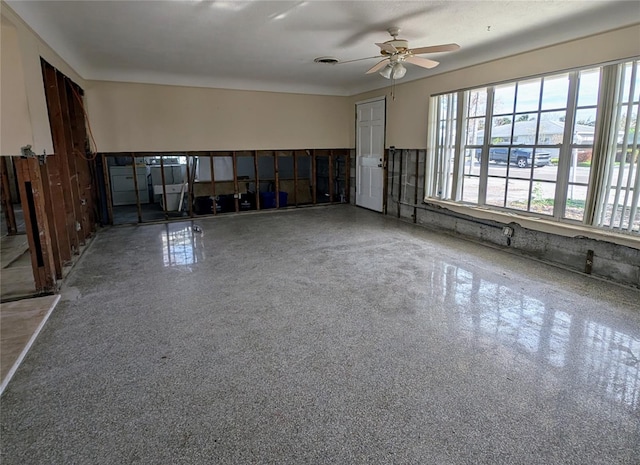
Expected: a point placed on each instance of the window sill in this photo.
(539, 224)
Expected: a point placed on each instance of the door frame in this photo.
(384, 149)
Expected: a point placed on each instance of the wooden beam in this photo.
(295, 178)
(7, 204)
(164, 188)
(50, 215)
(213, 184)
(255, 164)
(236, 188)
(32, 197)
(135, 186)
(277, 176)
(70, 170)
(313, 176)
(58, 165)
(331, 176)
(107, 187)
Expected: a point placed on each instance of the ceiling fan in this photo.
(396, 52)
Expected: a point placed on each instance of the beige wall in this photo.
(15, 122)
(407, 114)
(24, 84)
(147, 117)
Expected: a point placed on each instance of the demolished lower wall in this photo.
(405, 200)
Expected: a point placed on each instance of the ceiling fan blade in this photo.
(378, 66)
(434, 49)
(424, 62)
(357, 59)
(387, 48)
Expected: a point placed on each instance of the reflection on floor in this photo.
(325, 335)
(20, 323)
(150, 212)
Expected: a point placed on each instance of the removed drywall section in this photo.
(129, 117)
(615, 262)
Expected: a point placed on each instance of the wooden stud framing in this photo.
(236, 188)
(330, 176)
(400, 182)
(313, 176)
(7, 204)
(189, 185)
(164, 188)
(347, 174)
(135, 186)
(213, 184)
(70, 170)
(277, 176)
(295, 178)
(415, 189)
(50, 214)
(257, 176)
(84, 167)
(107, 188)
(36, 223)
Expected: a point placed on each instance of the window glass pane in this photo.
(470, 189)
(525, 129)
(477, 103)
(576, 200)
(518, 194)
(528, 96)
(542, 197)
(501, 130)
(588, 87)
(472, 161)
(503, 99)
(495, 191)
(580, 167)
(554, 92)
(551, 131)
(475, 131)
(584, 127)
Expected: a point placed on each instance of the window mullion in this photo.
(484, 159)
(566, 151)
(459, 159)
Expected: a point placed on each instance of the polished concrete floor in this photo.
(326, 335)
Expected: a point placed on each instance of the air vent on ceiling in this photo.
(327, 60)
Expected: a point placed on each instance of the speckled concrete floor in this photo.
(329, 335)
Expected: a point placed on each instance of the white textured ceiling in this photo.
(270, 45)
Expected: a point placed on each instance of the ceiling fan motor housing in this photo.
(400, 44)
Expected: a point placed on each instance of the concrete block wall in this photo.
(611, 261)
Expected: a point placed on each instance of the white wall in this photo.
(147, 117)
(407, 114)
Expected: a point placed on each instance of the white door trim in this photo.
(371, 100)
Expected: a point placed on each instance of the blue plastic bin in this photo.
(268, 199)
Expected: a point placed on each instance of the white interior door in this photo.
(370, 154)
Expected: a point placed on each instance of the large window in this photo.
(563, 147)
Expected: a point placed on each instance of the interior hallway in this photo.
(325, 335)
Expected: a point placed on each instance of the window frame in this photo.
(567, 150)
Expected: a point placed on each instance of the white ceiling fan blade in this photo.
(435, 49)
(387, 48)
(424, 62)
(378, 66)
(357, 59)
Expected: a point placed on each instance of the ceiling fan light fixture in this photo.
(398, 71)
(386, 71)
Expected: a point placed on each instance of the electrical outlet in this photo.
(507, 231)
